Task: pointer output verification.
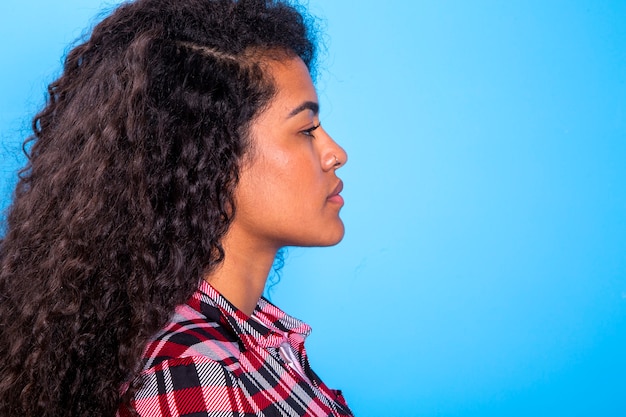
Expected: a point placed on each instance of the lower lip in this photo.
(337, 199)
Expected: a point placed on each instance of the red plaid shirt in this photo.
(213, 360)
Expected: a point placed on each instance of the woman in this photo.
(179, 150)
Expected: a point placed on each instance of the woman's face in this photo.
(288, 193)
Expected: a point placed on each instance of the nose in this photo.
(334, 156)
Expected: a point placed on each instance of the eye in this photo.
(309, 132)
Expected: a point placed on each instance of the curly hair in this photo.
(128, 191)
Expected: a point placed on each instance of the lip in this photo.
(334, 197)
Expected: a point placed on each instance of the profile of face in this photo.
(288, 193)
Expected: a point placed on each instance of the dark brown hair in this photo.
(128, 191)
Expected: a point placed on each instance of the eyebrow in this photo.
(307, 105)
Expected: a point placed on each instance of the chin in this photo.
(337, 239)
(333, 237)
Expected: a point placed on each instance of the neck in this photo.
(241, 277)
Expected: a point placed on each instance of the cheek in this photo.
(287, 173)
(282, 181)
(261, 185)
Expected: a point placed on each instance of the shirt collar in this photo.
(270, 326)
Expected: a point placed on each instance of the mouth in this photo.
(334, 197)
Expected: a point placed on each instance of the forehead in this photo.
(293, 84)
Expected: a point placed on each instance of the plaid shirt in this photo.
(213, 360)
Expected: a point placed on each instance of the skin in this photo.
(288, 189)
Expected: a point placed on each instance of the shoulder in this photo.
(191, 367)
(201, 335)
(190, 386)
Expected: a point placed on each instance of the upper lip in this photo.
(337, 189)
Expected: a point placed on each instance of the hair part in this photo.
(128, 191)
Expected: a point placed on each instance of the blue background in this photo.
(483, 272)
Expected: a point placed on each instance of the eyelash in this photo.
(309, 132)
